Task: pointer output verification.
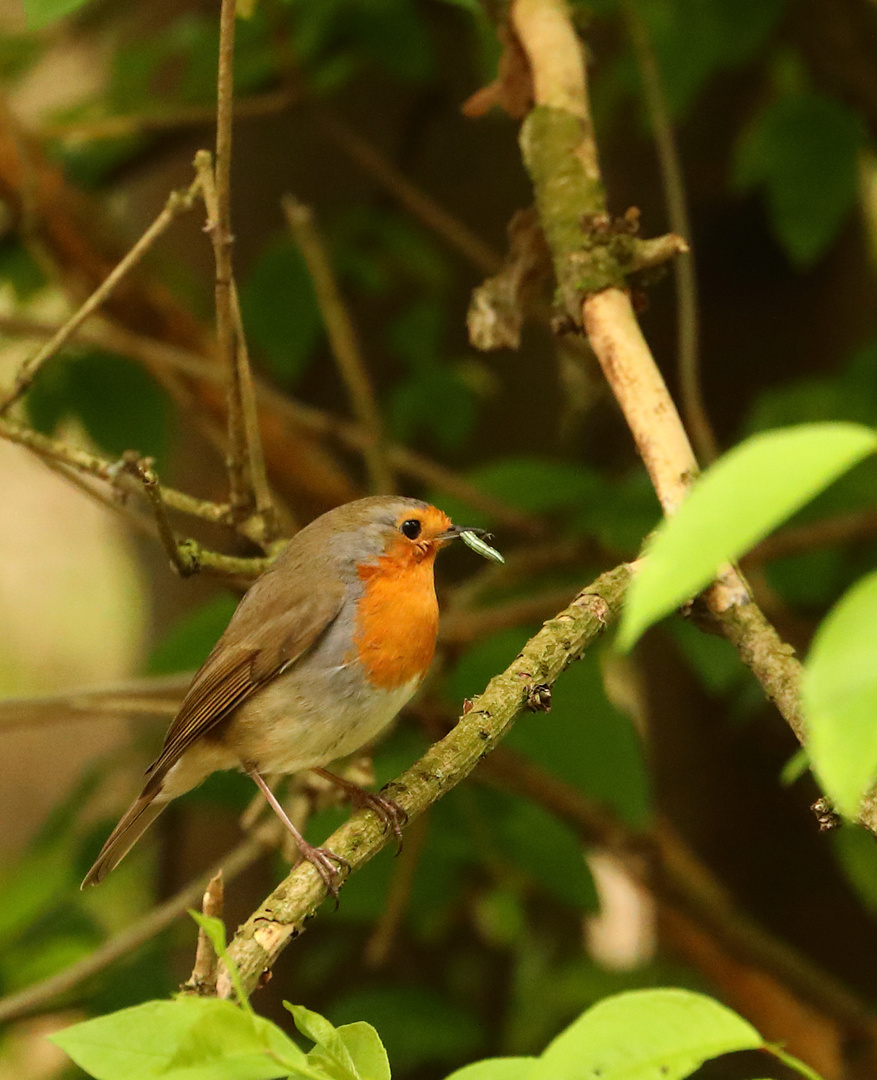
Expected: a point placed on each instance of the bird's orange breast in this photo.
(397, 618)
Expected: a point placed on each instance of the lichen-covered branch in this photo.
(560, 641)
(570, 199)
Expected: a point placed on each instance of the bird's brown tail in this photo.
(134, 823)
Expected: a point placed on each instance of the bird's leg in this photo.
(321, 859)
(390, 813)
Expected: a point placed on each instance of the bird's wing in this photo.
(245, 659)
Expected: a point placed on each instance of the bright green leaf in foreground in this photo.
(840, 697)
(191, 1037)
(736, 503)
(645, 1035)
(508, 1068)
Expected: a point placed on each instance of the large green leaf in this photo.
(803, 149)
(191, 1038)
(737, 502)
(839, 694)
(508, 1068)
(645, 1035)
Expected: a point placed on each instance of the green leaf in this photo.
(330, 1054)
(737, 502)
(509, 1068)
(803, 150)
(40, 13)
(366, 1050)
(839, 695)
(645, 1035)
(187, 1039)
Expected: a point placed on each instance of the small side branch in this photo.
(342, 338)
(141, 468)
(178, 202)
(202, 981)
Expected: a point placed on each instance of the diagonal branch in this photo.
(561, 640)
(557, 134)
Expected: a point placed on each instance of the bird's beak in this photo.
(456, 531)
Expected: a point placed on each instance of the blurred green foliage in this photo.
(116, 401)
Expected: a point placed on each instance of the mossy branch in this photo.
(561, 640)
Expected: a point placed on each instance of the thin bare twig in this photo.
(202, 981)
(691, 393)
(177, 203)
(216, 187)
(143, 471)
(155, 696)
(266, 513)
(342, 338)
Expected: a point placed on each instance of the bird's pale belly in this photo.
(294, 723)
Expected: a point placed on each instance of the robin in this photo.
(320, 655)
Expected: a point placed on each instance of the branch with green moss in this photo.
(560, 152)
(523, 684)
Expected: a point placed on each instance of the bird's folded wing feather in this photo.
(245, 658)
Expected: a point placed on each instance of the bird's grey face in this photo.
(374, 527)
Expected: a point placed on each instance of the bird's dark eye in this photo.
(411, 528)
